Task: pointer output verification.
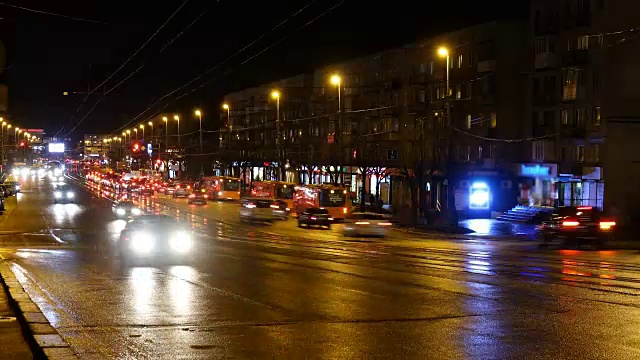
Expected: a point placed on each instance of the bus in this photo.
(331, 197)
(222, 187)
(278, 190)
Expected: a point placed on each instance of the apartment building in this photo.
(94, 145)
(582, 97)
(390, 126)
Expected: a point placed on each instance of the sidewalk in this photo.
(12, 342)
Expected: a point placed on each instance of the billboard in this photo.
(56, 147)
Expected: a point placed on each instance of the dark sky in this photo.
(50, 54)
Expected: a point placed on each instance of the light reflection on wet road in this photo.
(255, 291)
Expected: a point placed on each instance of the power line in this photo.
(52, 14)
(208, 71)
(130, 58)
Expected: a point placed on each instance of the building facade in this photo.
(94, 145)
(389, 126)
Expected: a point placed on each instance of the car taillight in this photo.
(585, 207)
(607, 225)
(178, 187)
(206, 196)
(570, 223)
(188, 187)
(330, 219)
(314, 218)
(192, 196)
(274, 206)
(362, 223)
(251, 206)
(384, 224)
(344, 210)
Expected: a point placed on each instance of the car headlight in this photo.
(181, 242)
(142, 243)
(60, 178)
(219, 193)
(57, 194)
(121, 211)
(70, 195)
(136, 211)
(18, 187)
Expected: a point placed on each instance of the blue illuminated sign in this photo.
(479, 196)
(534, 170)
(149, 149)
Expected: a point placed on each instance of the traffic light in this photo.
(22, 144)
(136, 147)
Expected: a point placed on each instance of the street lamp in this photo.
(276, 95)
(136, 131)
(177, 118)
(142, 127)
(226, 107)
(199, 115)
(444, 52)
(150, 123)
(337, 81)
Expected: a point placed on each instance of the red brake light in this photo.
(192, 196)
(314, 218)
(188, 187)
(585, 207)
(206, 196)
(177, 186)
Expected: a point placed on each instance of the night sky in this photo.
(50, 54)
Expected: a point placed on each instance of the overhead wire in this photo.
(208, 71)
(126, 62)
(43, 12)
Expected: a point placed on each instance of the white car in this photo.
(257, 210)
(366, 224)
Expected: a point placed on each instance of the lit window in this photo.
(460, 61)
(580, 153)
(564, 116)
(494, 120)
(468, 121)
(596, 116)
(583, 42)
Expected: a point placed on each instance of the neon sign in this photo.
(535, 170)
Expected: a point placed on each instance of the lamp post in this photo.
(129, 133)
(337, 81)
(199, 115)
(136, 131)
(276, 95)
(177, 118)
(142, 127)
(150, 123)
(444, 52)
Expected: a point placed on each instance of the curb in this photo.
(45, 341)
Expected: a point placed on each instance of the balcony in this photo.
(575, 58)
(546, 60)
(485, 66)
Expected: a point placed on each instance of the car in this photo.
(154, 238)
(64, 195)
(124, 209)
(280, 209)
(575, 225)
(256, 209)
(182, 190)
(198, 197)
(147, 190)
(315, 217)
(14, 185)
(366, 224)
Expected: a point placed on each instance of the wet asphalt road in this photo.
(255, 291)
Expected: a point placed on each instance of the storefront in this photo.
(585, 189)
(537, 184)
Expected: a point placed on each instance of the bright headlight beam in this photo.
(181, 242)
(142, 243)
